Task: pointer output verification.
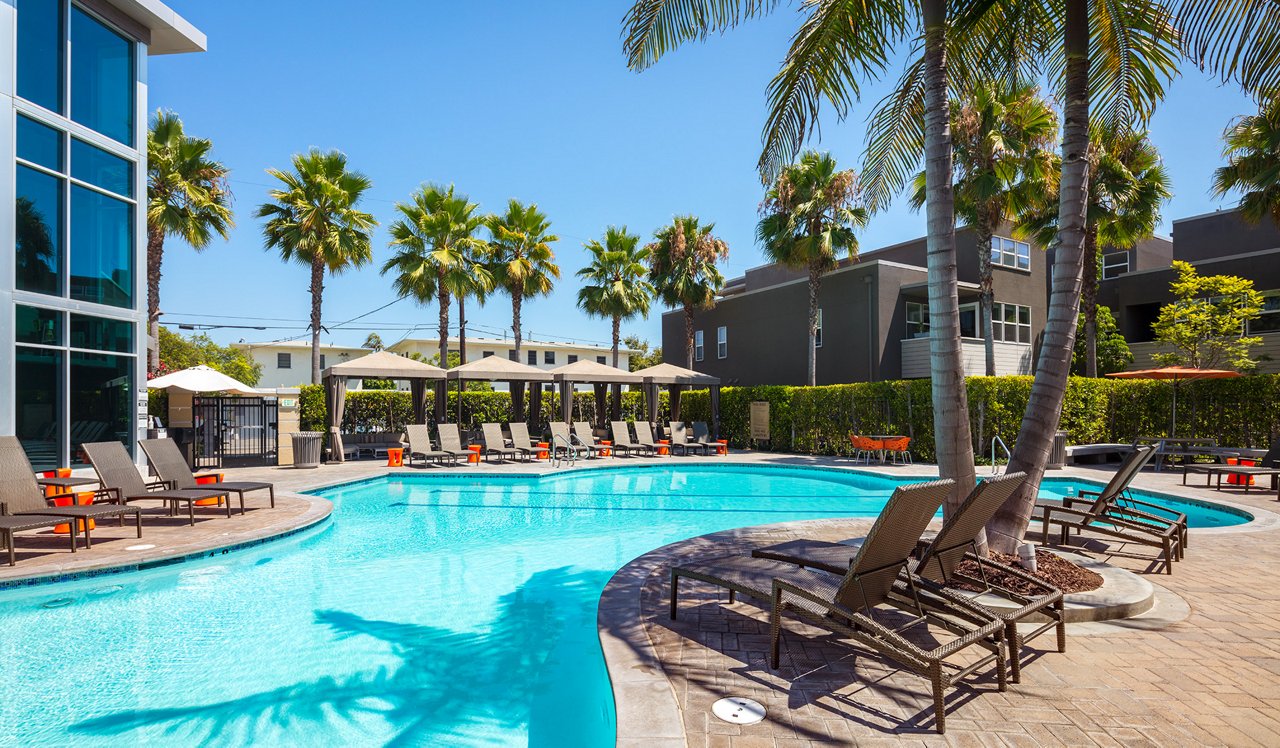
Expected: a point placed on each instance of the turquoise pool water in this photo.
(434, 609)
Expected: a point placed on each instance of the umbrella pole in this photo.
(1173, 429)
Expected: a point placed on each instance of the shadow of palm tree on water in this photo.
(450, 685)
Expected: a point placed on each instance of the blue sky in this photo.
(512, 99)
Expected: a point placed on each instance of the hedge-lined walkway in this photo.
(1212, 678)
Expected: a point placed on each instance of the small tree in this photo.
(644, 356)
(1113, 352)
(1205, 324)
(373, 342)
(178, 353)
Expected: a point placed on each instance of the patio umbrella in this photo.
(201, 379)
(1175, 374)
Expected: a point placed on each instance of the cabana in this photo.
(498, 369)
(377, 365)
(677, 379)
(600, 377)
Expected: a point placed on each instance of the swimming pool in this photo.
(434, 609)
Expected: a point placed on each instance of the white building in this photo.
(73, 179)
(288, 364)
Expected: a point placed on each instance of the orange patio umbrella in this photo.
(1176, 374)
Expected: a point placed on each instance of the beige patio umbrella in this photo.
(201, 379)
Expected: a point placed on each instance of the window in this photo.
(600, 359)
(39, 144)
(101, 248)
(548, 357)
(38, 222)
(573, 359)
(486, 354)
(533, 358)
(284, 360)
(1011, 323)
(101, 399)
(918, 320)
(1114, 264)
(722, 342)
(101, 169)
(697, 345)
(100, 334)
(40, 58)
(37, 404)
(1010, 253)
(1269, 321)
(322, 366)
(817, 336)
(102, 79)
(511, 354)
(39, 326)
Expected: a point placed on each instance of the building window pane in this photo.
(102, 78)
(600, 359)
(322, 361)
(511, 354)
(101, 400)
(34, 325)
(101, 248)
(533, 358)
(284, 360)
(39, 144)
(38, 214)
(36, 405)
(917, 320)
(722, 342)
(573, 359)
(101, 169)
(1009, 253)
(1114, 264)
(1011, 323)
(1269, 320)
(817, 337)
(548, 357)
(968, 320)
(101, 334)
(697, 345)
(40, 52)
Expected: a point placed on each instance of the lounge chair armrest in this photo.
(1049, 509)
(1178, 516)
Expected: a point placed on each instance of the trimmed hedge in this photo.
(1243, 412)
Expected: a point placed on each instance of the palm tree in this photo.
(313, 219)
(1128, 185)
(682, 267)
(474, 279)
(810, 214)
(521, 259)
(373, 342)
(617, 281)
(1253, 163)
(1002, 137)
(187, 198)
(435, 237)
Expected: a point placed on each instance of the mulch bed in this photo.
(1055, 570)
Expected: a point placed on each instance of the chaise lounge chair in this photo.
(496, 444)
(1114, 514)
(1269, 465)
(936, 567)
(451, 440)
(420, 446)
(872, 582)
(24, 505)
(680, 439)
(123, 483)
(622, 439)
(644, 437)
(586, 436)
(563, 441)
(167, 460)
(702, 435)
(521, 440)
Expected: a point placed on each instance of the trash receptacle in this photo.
(306, 449)
(1058, 452)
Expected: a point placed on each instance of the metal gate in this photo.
(234, 432)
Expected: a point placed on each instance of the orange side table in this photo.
(664, 450)
(542, 450)
(395, 457)
(1238, 479)
(722, 447)
(606, 447)
(474, 457)
(204, 480)
(83, 498)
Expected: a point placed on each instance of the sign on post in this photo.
(760, 420)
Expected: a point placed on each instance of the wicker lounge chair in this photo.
(560, 437)
(681, 440)
(496, 444)
(644, 436)
(420, 446)
(1268, 466)
(123, 483)
(872, 583)
(622, 439)
(936, 566)
(10, 524)
(521, 440)
(167, 460)
(1113, 514)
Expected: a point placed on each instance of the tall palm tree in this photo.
(1128, 185)
(1252, 150)
(810, 215)
(475, 280)
(521, 259)
(682, 266)
(1002, 136)
(187, 198)
(314, 219)
(617, 280)
(435, 237)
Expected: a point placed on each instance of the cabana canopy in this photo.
(498, 369)
(590, 372)
(677, 379)
(672, 374)
(377, 365)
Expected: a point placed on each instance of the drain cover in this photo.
(738, 710)
(60, 602)
(140, 547)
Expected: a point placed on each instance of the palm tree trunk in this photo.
(986, 295)
(688, 336)
(1089, 300)
(516, 300)
(155, 256)
(462, 329)
(951, 402)
(317, 294)
(815, 279)
(442, 299)
(1044, 409)
(617, 338)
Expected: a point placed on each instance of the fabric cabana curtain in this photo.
(715, 411)
(535, 405)
(602, 402)
(336, 399)
(675, 391)
(442, 400)
(517, 401)
(418, 391)
(615, 407)
(566, 401)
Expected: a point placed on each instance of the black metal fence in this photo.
(234, 432)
